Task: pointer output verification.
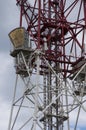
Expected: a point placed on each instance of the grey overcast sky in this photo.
(9, 19)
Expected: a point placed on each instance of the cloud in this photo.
(9, 19)
(81, 119)
(4, 114)
(6, 75)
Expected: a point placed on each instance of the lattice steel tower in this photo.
(49, 50)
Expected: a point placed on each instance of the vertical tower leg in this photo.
(36, 92)
(11, 113)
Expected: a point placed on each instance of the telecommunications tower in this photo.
(49, 50)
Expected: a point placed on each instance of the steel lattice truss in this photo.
(51, 65)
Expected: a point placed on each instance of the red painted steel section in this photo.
(84, 4)
(39, 22)
(52, 23)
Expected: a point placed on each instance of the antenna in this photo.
(50, 65)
